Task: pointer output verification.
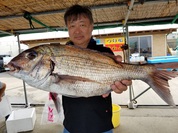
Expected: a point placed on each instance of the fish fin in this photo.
(172, 65)
(71, 80)
(159, 80)
(56, 101)
(58, 104)
(74, 78)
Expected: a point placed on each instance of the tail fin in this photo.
(159, 80)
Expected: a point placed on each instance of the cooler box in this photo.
(116, 115)
(21, 120)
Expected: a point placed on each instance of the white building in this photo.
(9, 46)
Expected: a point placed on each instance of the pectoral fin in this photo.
(73, 86)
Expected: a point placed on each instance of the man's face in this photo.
(80, 31)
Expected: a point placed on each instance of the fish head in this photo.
(32, 64)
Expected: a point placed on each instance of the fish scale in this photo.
(103, 72)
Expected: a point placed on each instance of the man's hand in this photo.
(119, 86)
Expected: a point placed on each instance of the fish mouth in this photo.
(13, 68)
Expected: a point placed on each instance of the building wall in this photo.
(9, 46)
(159, 46)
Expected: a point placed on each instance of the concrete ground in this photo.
(154, 116)
(140, 120)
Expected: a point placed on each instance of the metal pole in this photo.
(131, 91)
(140, 94)
(131, 103)
(127, 42)
(24, 86)
(128, 13)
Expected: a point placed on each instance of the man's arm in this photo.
(2, 90)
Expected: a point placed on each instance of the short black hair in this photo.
(75, 11)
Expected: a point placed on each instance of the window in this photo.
(141, 45)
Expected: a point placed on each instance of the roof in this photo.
(47, 15)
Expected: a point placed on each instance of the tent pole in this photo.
(24, 86)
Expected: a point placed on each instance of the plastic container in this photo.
(21, 120)
(116, 115)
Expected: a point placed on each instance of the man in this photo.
(5, 107)
(93, 114)
(2, 89)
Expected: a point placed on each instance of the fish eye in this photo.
(32, 55)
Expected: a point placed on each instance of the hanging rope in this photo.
(28, 16)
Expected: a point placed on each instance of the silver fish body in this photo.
(77, 72)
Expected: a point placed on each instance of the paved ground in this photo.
(144, 119)
(140, 120)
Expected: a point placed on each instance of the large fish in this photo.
(77, 72)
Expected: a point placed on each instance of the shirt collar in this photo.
(91, 43)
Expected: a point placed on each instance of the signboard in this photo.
(114, 43)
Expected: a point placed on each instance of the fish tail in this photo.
(158, 80)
